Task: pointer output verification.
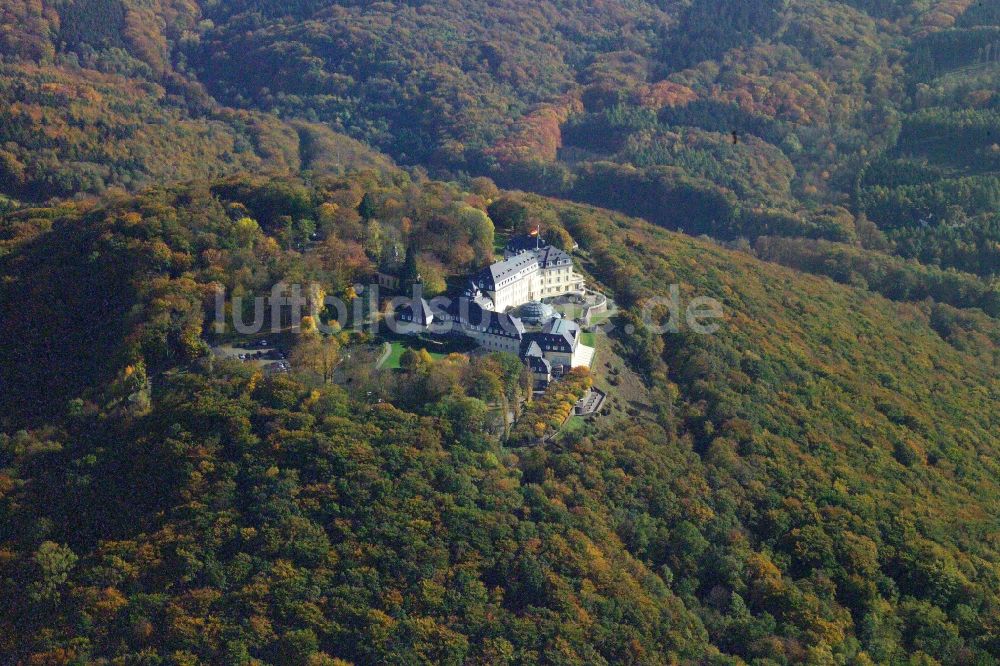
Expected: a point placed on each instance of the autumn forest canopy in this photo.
(815, 483)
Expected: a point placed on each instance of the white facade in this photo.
(530, 275)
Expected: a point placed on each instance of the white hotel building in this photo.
(530, 271)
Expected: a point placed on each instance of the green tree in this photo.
(366, 209)
(479, 228)
(508, 213)
(53, 563)
(410, 272)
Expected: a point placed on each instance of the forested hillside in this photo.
(814, 483)
(713, 107)
(89, 100)
(695, 115)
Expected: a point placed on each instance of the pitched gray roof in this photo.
(539, 364)
(560, 326)
(470, 314)
(494, 275)
(524, 253)
(550, 256)
(564, 343)
(532, 349)
(418, 312)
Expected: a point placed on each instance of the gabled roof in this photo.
(564, 343)
(539, 364)
(476, 295)
(550, 256)
(532, 355)
(470, 313)
(505, 325)
(418, 312)
(466, 311)
(522, 252)
(494, 275)
(560, 326)
(564, 329)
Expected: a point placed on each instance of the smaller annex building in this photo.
(557, 342)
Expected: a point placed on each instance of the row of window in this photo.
(496, 345)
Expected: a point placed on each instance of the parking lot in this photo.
(260, 352)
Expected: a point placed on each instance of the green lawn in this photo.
(500, 239)
(574, 425)
(399, 346)
(588, 338)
